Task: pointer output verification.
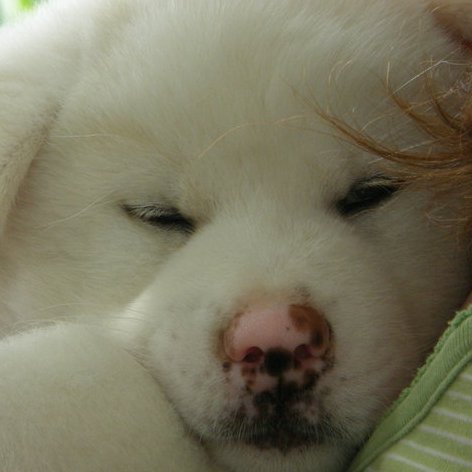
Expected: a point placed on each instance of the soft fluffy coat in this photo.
(219, 116)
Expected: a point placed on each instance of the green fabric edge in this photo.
(450, 356)
(25, 4)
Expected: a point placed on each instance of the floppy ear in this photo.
(37, 65)
(456, 17)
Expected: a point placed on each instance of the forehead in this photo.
(224, 102)
(270, 165)
(192, 74)
(198, 165)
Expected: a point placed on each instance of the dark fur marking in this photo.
(317, 339)
(282, 413)
(277, 361)
(285, 432)
(310, 377)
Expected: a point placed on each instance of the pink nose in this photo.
(298, 329)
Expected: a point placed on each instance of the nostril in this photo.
(253, 355)
(299, 330)
(302, 352)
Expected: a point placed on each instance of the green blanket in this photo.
(429, 428)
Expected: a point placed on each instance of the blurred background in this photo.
(9, 9)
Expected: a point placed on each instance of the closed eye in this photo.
(167, 218)
(367, 194)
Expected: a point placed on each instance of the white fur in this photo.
(211, 107)
(72, 401)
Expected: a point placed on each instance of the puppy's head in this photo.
(287, 285)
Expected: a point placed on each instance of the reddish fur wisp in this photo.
(444, 164)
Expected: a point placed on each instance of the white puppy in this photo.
(170, 157)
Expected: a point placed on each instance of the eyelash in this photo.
(366, 195)
(169, 219)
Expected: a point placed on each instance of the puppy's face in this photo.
(287, 288)
(325, 241)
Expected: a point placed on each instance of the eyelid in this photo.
(376, 180)
(148, 210)
(168, 218)
(356, 201)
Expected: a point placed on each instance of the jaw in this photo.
(285, 441)
(238, 457)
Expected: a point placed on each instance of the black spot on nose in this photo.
(277, 361)
(317, 339)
